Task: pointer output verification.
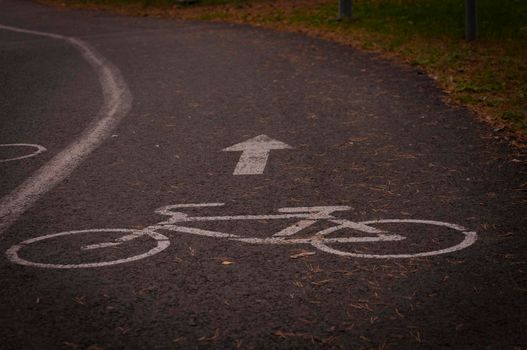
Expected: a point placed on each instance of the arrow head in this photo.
(259, 143)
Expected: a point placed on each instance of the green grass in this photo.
(428, 18)
(498, 19)
(490, 73)
(160, 3)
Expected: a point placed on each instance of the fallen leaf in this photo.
(301, 255)
(179, 339)
(212, 337)
(80, 300)
(94, 347)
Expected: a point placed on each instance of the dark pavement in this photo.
(364, 133)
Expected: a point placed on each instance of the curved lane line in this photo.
(117, 103)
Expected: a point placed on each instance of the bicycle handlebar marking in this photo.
(308, 216)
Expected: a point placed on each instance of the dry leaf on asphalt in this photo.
(301, 255)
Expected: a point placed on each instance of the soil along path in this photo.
(266, 190)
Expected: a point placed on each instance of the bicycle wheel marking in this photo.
(38, 149)
(12, 253)
(470, 238)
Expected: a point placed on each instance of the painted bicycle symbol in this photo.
(305, 217)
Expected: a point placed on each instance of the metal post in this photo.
(345, 9)
(471, 20)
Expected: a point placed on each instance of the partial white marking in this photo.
(117, 103)
(118, 241)
(343, 224)
(279, 240)
(316, 212)
(293, 229)
(167, 209)
(255, 153)
(196, 231)
(313, 213)
(161, 240)
(236, 217)
(469, 239)
(38, 149)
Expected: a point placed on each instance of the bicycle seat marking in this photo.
(305, 218)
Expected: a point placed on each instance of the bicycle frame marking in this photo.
(307, 216)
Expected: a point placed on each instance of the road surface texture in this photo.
(420, 242)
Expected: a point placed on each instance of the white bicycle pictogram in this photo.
(307, 217)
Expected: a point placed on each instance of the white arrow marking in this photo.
(255, 153)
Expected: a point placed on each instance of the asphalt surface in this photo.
(364, 133)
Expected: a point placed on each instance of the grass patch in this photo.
(489, 75)
(150, 3)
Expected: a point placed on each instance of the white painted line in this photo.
(39, 149)
(278, 240)
(255, 153)
(162, 243)
(470, 238)
(196, 231)
(343, 224)
(295, 228)
(117, 103)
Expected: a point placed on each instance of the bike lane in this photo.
(363, 133)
